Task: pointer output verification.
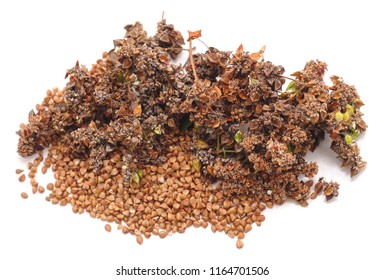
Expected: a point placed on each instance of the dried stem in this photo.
(175, 49)
(203, 43)
(288, 78)
(192, 61)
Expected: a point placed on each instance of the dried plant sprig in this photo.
(138, 136)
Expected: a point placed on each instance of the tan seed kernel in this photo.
(107, 227)
(139, 239)
(33, 183)
(31, 174)
(44, 169)
(18, 171)
(114, 171)
(239, 244)
(125, 230)
(22, 178)
(162, 234)
(24, 195)
(248, 228)
(50, 186)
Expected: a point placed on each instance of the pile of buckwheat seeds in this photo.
(155, 147)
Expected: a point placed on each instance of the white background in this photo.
(339, 240)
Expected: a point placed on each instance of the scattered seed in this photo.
(44, 169)
(107, 227)
(22, 178)
(139, 239)
(50, 186)
(239, 244)
(18, 171)
(162, 234)
(24, 195)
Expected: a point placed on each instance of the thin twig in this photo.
(176, 49)
(188, 59)
(289, 78)
(192, 62)
(203, 43)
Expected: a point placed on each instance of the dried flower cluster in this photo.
(157, 147)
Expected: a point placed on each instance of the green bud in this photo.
(136, 178)
(238, 137)
(252, 81)
(196, 164)
(348, 139)
(158, 130)
(355, 134)
(352, 126)
(201, 144)
(140, 173)
(339, 116)
(120, 78)
(349, 109)
(346, 116)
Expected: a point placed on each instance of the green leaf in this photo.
(355, 134)
(291, 86)
(238, 137)
(289, 148)
(121, 78)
